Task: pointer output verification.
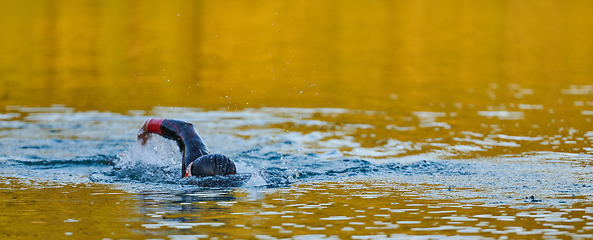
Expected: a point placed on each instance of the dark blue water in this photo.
(79, 147)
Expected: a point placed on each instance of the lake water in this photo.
(346, 119)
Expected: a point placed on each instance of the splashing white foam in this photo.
(158, 160)
(256, 181)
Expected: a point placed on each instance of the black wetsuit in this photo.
(197, 160)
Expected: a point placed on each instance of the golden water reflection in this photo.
(356, 209)
(450, 72)
(373, 55)
(370, 209)
(40, 209)
(467, 78)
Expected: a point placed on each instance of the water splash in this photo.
(279, 147)
(159, 160)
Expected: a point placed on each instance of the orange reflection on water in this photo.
(349, 209)
(484, 77)
(40, 209)
(488, 67)
(356, 55)
(362, 209)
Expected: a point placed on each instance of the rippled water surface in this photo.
(346, 119)
(301, 173)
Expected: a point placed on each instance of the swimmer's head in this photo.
(211, 165)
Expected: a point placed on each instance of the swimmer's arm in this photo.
(148, 127)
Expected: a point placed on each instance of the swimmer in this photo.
(197, 160)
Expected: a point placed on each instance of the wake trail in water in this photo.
(160, 161)
(101, 149)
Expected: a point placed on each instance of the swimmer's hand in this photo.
(143, 134)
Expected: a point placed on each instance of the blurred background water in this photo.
(373, 108)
